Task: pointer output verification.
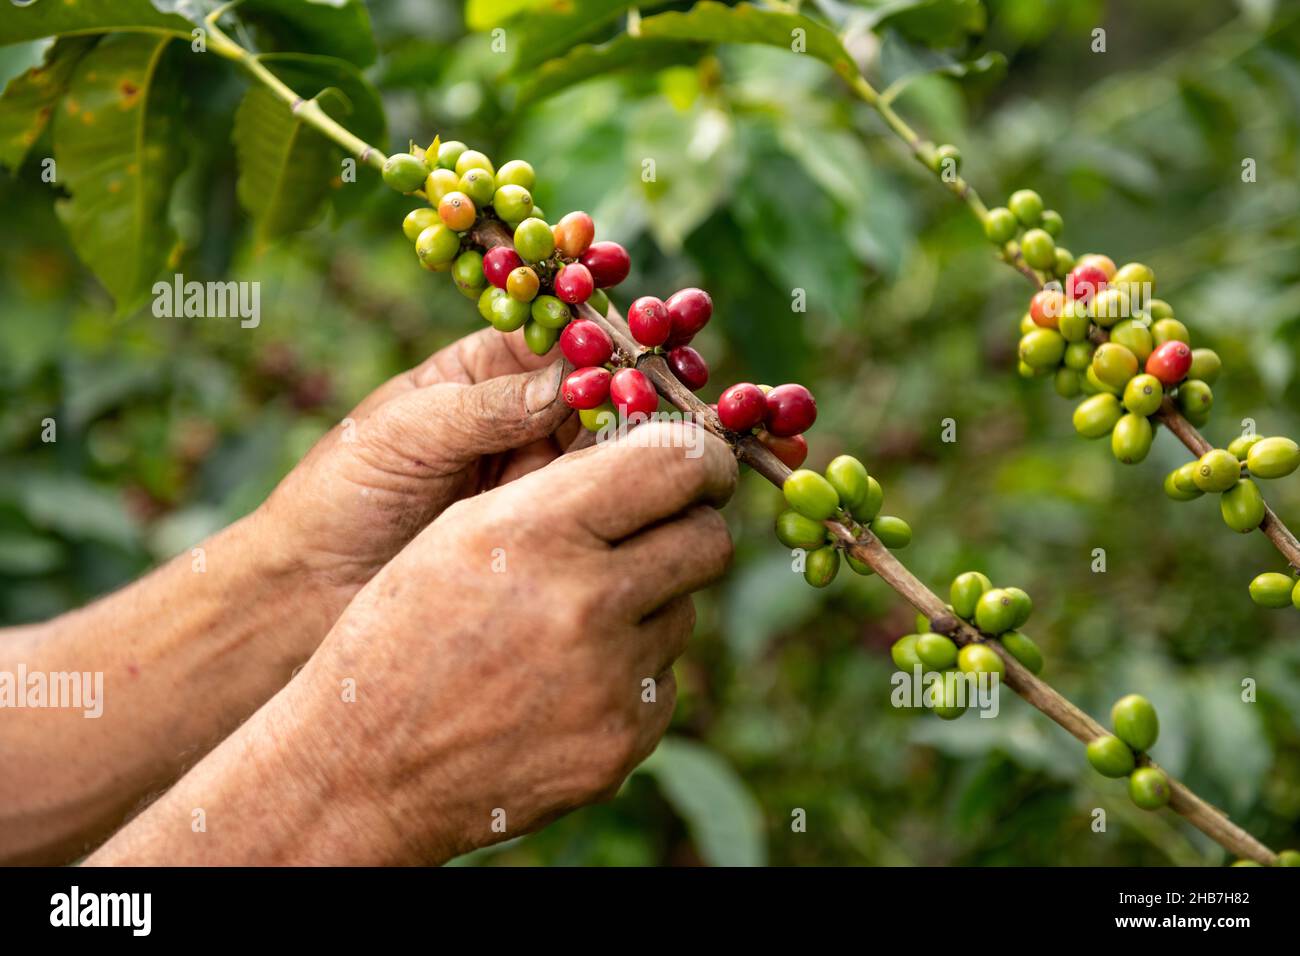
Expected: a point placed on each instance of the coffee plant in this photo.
(1094, 328)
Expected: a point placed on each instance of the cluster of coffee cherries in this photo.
(1227, 471)
(846, 493)
(1117, 755)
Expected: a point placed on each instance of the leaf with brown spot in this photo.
(28, 101)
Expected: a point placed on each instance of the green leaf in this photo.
(72, 507)
(485, 14)
(338, 28)
(935, 23)
(903, 63)
(624, 52)
(28, 100)
(745, 23)
(286, 167)
(46, 18)
(725, 820)
(548, 31)
(116, 146)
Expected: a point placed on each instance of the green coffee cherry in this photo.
(1295, 596)
(1024, 650)
(947, 157)
(1135, 336)
(966, 591)
(1160, 309)
(1026, 205)
(849, 478)
(468, 270)
(1217, 470)
(440, 182)
(1131, 439)
(904, 655)
(513, 203)
(1024, 605)
(1148, 788)
(1038, 249)
(995, 611)
(594, 419)
(1246, 863)
(894, 533)
(1179, 484)
(1135, 721)
(811, 495)
(1114, 364)
(871, 505)
(1073, 324)
(1042, 349)
(534, 240)
(1242, 506)
(1066, 383)
(936, 651)
(508, 314)
(1078, 355)
(1273, 457)
(1241, 445)
(449, 152)
(599, 300)
(516, 173)
(1095, 417)
(1272, 589)
(858, 566)
(1169, 330)
(821, 566)
(418, 220)
(539, 338)
(796, 531)
(1206, 366)
(1289, 858)
(437, 245)
(1027, 324)
(948, 705)
(487, 299)
(404, 172)
(1109, 306)
(551, 312)
(980, 659)
(1064, 260)
(1028, 371)
(478, 185)
(473, 159)
(1110, 757)
(1096, 386)
(1143, 395)
(1000, 225)
(1195, 398)
(1052, 223)
(922, 623)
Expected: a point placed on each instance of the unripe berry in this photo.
(791, 410)
(792, 450)
(1023, 604)
(690, 311)
(1084, 281)
(1135, 336)
(534, 242)
(1024, 650)
(516, 172)
(573, 234)
(1216, 470)
(608, 262)
(449, 152)
(1114, 364)
(1137, 279)
(741, 407)
(1272, 589)
(948, 702)
(468, 270)
(539, 338)
(810, 494)
(1148, 788)
(1064, 261)
(1289, 858)
(404, 172)
(1078, 355)
(1026, 205)
(498, 263)
(1242, 506)
(1170, 330)
(995, 611)
(980, 659)
(1206, 366)
(849, 478)
(473, 159)
(936, 652)
(478, 185)
(1242, 444)
(894, 533)
(599, 301)
(1046, 307)
(689, 367)
(457, 211)
(1180, 484)
(1042, 349)
(1143, 395)
(437, 245)
(508, 314)
(797, 531)
(947, 157)
(602, 416)
(513, 203)
(1052, 223)
(1195, 399)
(1000, 225)
(1273, 457)
(522, 284)
(549, 311)
(1130, 440)
(821, 566)
(584, 343)
(573, 283)
(418, 220)
(903, 653)
(632, 393)
(1096, 416)
(1038, 249)
(1160, 309)
(1170, 362)
(1135, 722)
(1096, 385)
(439, 183)
(1111, 757)
(586, 387)
(965, 592)
(486, 300)
(1066, 382)
(648, 321)
(1109, 306)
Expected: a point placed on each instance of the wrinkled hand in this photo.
(500, 661)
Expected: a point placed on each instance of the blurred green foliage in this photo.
(770, 177)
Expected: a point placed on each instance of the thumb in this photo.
(499, 414)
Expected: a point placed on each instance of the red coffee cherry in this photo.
(1045, 308)
(741, 407)
(689, 367)
(573, 234)
(791, 410)
(573, 284)
(498, 263)
(586, 388)
(1170, 362)
(608, 262)
(792, 449)
(648, 321)
(585, 343)
(631, 392)
(1085, 282)
(690, 311)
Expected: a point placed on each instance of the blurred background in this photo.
(770, 177)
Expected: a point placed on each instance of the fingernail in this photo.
(544, 389)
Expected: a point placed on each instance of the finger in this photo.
(526, 460)
(485, 355)
(671, 559)
(665, 635)
(619, 487)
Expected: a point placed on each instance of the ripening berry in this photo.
(585, 343)
(609, 263)
(1084, 281)
(797, 531)
(586, 387)
(810, 494)
(1000, 225)
(995, 611)
(741, 407)
(690, 369)
(1130, 440)
(1104, 263)
(689, 310)
(1038, 249)
(1046, 306)
(473, 159)
(1024, 650)
(1114, 364)
(534, 242)
(539, 338)
(1149, 788)
(516, 172)
(1026, 205)
(522, 284)
(1273, 457)
(418, 220)
(457, 211)
(894, 533)
(1111, 757)
(439, 183)
(1242, 506)
(980, 659)
(1170, 362)
(936, 651)
(478, 185)
(1143, 395)
(792, 449)
(437, 245)
(1216, 470)
(573, 234)
(1272, 589)
(573, 283)
(632, 393)
(791, 410)
(404, 172)
(1135, 722)
(821, 566)
(498, 263)
(965, 592)
(1206, 366)
(849, 478)
(549, 311)
(648, 321)
(513, 204)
